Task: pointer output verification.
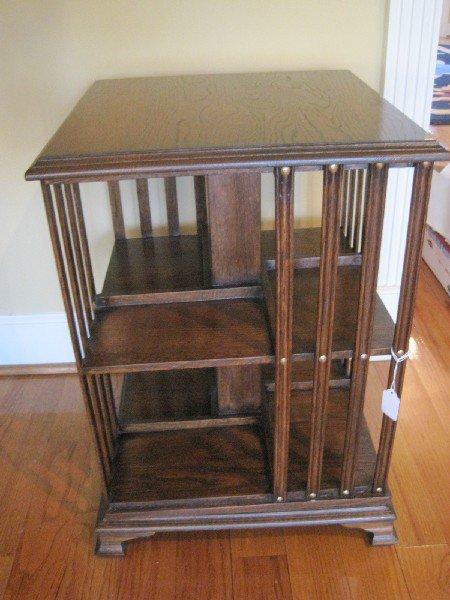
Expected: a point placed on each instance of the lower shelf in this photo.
(172, 448)
(169, 400)
(190, 464)
(165, 397)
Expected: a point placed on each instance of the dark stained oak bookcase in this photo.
(224, 372)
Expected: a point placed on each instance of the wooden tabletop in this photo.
(157, 123)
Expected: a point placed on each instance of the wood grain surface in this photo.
(305, 313)
(337, 405)
(192, 120)
(172, 264)
(193, 463)
(49, 495)
(188, 334)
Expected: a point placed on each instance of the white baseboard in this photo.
(390, 295)
(34, 339)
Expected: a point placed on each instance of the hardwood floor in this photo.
(48, 502)
(442, 133)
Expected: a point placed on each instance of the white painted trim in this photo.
(34, 339)
(445, 20)
(412, 39)
(389, 294)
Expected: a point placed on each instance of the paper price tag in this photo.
(390, 403)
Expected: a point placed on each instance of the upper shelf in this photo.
(170, 266)
(164, 332)
(177, 124)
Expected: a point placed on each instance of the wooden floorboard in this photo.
(49, 494)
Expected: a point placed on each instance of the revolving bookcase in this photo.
(224, 370)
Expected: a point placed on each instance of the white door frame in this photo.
(412, 39)
(445, 20)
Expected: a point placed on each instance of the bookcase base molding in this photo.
(119, 526)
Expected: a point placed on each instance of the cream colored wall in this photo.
(52, 51)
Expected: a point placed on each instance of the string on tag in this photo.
(398, 360)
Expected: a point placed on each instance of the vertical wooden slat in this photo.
(325, 318)
(70, 239)
(200, 205)
(359, 213)
(144, 207)
(238, 390)
(62, 274)
(346, 203)
(99, 427)
(70, 264)
(351, 212)
(102, 454)
(116, 210)
(85, 296)
(108, 398)
(173, 223)
(413, 252)
(102, 402)
(284, 223)
(84, 243)
(111, 403)
(201, 212)
(343, 200)
(84, 268)
(376, 191)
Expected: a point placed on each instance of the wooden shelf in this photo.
(198, 463)
(168, 400)
(302, 375)
(161, 269)
(346, 310)
(178, 335)
(164, 400)
(162, 334)
(155, 264)
(334, 442)
(190, 464)
(306, 248)
(165, 396)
